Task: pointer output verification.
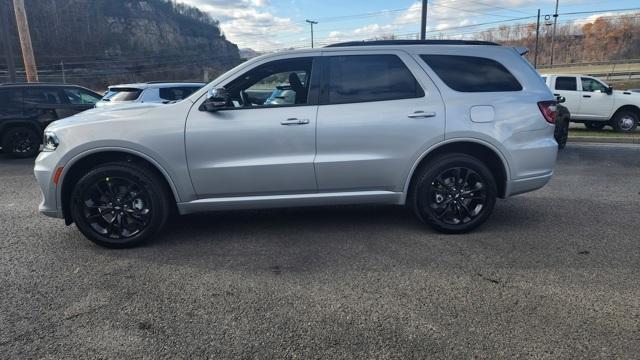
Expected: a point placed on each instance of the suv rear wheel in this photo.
(454, 193)
(119, 205)
(21, 142)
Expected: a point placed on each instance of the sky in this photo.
(271, 25)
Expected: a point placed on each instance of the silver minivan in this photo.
(443, 127)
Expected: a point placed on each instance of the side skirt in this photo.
(295, 200)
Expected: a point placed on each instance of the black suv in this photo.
(26, 109)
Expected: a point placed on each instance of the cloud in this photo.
(248, 23)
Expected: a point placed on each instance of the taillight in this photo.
(548, 110)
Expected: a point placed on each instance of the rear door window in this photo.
(44, 96)
(472, 74)
(10, 102)
(363, 78)
(566, 83)
(122, 94)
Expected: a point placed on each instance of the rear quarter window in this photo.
(472, 74)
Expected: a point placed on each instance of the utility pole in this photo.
(311, 23)
(535, 56)
(25, 41)
(6, 40)
(553, 34)
(423, 26)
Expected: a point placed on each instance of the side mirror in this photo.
(217, 99)
(560, 99)
(609, 90)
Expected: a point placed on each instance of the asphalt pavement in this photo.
(552, 274)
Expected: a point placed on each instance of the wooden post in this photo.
(25, 41)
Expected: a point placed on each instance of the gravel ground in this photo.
(553, 274)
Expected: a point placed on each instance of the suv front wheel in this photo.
(625, 121)
(454, 193)
(21, 142)
(119, 205)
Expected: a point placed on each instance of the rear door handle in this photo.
(421, 114)
(294, 121)
(586, 96)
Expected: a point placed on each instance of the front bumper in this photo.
(44, 169)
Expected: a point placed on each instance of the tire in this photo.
(120, 205)
(595, 125)
(562, 133)
(21, 142)
(434, 189)
(625, 121)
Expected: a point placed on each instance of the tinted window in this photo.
(42, 96)
(80, 97)
(592, 85)
(10, 103)
(277, 83)
(122, 94)
(176, 93)
(566, 83)
(10, 98)
(472, 74)
(359, 78)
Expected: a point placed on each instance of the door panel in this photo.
(595, 102)
(249, 151)
(257, 147)
(372, 145)
(567, 86)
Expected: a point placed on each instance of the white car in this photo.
(594, 103)
(151, 92)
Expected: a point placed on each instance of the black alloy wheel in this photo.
(21, 142)
(118, 205)
(457, 196)
(455, 193)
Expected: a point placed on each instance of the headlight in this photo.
(51, 141)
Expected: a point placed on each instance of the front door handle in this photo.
(294, 121)
(587, 96)
(421, 114)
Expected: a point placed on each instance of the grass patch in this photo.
(602, 133)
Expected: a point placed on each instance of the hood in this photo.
(105, 114)
(625, 93)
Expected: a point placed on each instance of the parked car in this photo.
(432, 125)
(563, 118)
(595, 103)
(151, 92)
(26, 109)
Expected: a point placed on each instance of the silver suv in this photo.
(444, 127)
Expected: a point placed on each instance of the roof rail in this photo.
(412, 42)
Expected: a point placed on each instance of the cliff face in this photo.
(135, 39)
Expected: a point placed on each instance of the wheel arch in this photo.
(82, 163)
(479, 149)
(11, 124)
(627, 107)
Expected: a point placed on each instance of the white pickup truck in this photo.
(594, 103)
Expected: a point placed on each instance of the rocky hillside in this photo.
(106, 41)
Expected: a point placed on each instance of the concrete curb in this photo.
(604, 139)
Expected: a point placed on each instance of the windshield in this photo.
(122, 94)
